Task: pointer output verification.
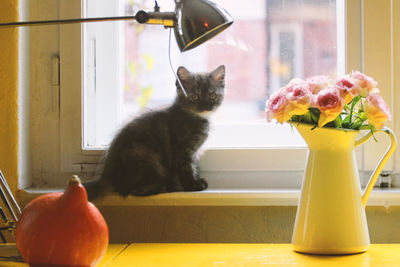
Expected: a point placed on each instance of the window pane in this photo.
(269, 43)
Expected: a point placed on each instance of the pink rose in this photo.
(317, 83)
(295, 81)
(348, 88)
(377, 111)
(276, 107)
(299, 99)
(367, 84)
(291, 85)
(330, 103)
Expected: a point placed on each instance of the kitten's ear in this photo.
(219, 74)
(183, 74)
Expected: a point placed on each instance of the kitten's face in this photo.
(205, 91)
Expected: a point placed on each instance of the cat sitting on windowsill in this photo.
(156, 152)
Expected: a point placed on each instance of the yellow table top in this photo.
(165, 255)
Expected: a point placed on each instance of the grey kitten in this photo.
(156, 152)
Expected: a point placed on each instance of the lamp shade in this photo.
(198, 21)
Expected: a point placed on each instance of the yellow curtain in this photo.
(9, 94)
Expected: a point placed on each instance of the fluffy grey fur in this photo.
(156, 152)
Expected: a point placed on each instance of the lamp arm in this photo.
(63, 21)
(163, 18)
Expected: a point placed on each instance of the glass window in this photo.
(271, 41)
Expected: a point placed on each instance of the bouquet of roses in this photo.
(348, 102)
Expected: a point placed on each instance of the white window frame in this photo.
(240, 168)
(104, 74)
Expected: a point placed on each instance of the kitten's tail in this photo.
(96, 189)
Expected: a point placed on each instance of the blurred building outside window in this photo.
(269, 43)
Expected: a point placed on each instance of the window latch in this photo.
(384, 180)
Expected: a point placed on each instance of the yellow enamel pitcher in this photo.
(330, 216)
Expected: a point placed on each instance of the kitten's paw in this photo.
(199, 185)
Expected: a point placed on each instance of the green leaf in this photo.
(353, 104)
(338, 121)
(347, 119)
(314, 114)
(356, 125)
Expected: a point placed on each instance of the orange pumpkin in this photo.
(62, 228)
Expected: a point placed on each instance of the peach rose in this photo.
(377, 111)
(299, 99)
(317, 83)
(330, 103)
(348, 88)
(367, 84)
(276, 107)
(295, 81)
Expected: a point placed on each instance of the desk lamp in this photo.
(193, 21)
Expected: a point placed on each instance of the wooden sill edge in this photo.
(213, 197)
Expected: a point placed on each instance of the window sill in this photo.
(379, 197)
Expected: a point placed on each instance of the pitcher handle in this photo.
(382, 161)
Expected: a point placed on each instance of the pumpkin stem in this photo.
(74, 180)
(75, 190)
